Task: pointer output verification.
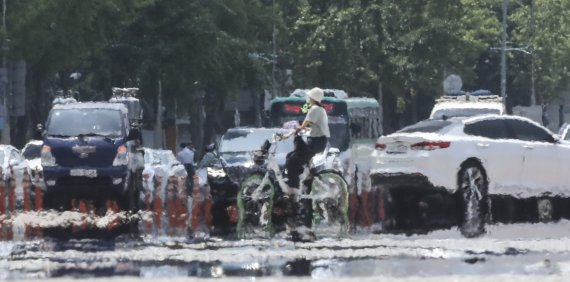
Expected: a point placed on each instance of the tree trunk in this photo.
(197, 127)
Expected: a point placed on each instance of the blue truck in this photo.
(88, 153)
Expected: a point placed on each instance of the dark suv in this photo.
(87, 154)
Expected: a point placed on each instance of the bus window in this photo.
(365, 118)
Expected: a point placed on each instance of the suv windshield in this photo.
(246, 141)
(74, 122)
(32, 152)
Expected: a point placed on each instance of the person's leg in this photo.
(316, 145)
(294, 166)
(303, 207)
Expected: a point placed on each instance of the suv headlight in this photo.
(47, 158)
(122, 156)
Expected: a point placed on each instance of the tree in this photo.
(548, 40)
(57, 37)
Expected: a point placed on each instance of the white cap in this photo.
(316, 94)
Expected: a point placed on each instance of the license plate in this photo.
(397, 149)
(91, 173)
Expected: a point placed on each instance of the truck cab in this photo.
(86, 154)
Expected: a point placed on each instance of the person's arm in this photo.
(306, 124)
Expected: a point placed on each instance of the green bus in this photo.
(351, 120)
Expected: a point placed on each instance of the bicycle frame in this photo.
(273, 173)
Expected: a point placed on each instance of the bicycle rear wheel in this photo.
(329, 194)
(255, 205)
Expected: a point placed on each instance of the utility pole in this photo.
(158, 134)
(5, 83)
(274, 55)
(504, 53)
(532, 75)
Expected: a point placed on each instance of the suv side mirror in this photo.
(134, 134)
(39, 131)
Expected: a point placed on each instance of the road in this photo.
(516, 251)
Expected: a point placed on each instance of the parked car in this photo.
(470, 159)
(32, 152)
(13, 164)
(12, 169)
(466, 104)
(227, 166)
(237, 145)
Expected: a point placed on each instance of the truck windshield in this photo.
(89, 122)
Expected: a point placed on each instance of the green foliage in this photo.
(401, 48)
(549, 41)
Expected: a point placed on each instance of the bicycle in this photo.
(260, 205)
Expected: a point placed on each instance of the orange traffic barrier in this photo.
(196, 206)
(27, 200)
(27, 190)
(171, 204)
(2, 208)
(157, 203)
(113, 207)
(2, 197)
(12, 194)
(11, 205)
(181, 202)
(353, 206)
(364, 212)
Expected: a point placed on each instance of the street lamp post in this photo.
(6, 130)
(504, 50)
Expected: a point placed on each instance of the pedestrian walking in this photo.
(186, 157)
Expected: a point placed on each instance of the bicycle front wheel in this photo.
(329, 194)
(255, 204)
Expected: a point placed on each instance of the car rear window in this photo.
(426, 126)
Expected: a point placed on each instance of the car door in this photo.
(542, 168)
(501, 155)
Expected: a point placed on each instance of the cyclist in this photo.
(317, 121)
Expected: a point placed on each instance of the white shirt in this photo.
(185, 156)
(319, 122)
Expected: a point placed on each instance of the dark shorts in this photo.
(301, 156)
